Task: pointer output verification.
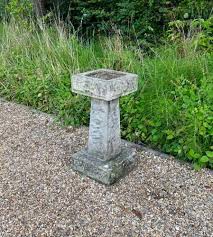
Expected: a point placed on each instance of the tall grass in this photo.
(172, 109)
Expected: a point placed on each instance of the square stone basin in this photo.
(104, 84)
(105, 74)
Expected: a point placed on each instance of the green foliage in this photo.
(86, 16)
(200, 31)
(172, 109)
(190, 9)
(3, 4)
(141, 20)
(205, 38)
(19, 9)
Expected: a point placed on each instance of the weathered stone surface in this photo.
(112, 85)
(104, 131)
(106, 172)
(106, 158)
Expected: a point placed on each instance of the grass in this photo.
(172, 109)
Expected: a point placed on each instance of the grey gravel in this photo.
(40, 195)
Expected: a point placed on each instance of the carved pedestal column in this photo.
(104, 130)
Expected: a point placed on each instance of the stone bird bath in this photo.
(106, 158)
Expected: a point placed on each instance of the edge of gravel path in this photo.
(140, 146)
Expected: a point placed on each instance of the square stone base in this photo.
(107, 172)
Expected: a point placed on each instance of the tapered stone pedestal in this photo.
(104, 130)
(106, 158)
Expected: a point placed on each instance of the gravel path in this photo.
(41, 196)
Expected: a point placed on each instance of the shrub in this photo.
(144, 21)
(19, 9)
(199, 31)
(141, 20)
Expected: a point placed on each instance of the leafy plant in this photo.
(200, 31)
(143, 21)
(19, 9)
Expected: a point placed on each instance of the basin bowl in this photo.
(104, 84)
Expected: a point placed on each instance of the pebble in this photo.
(40, 195)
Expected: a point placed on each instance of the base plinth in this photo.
(107, 172)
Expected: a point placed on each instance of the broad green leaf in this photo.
(204, 159)
(170, 137)
(209, 154)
